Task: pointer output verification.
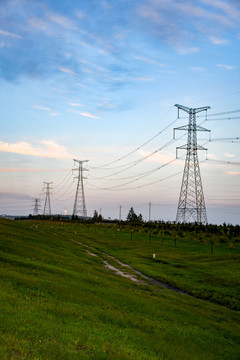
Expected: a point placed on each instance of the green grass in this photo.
(59, 302)
(188, 264)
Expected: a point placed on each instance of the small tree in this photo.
(95, 216)
(140, 219)
(132, 216)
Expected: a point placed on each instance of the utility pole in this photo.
(47, 205)
(79, 207)
(191, 204)
(120, 213)
(36, 207)
(149, 211)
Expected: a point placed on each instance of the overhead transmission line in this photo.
(66, 192)
(136, 149)
(225, 119)
(139, 186)
(221, 113)
(139, 177)
(224, 162)
(62, 182)
(136, 162)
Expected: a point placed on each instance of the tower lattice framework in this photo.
(36, 207)
(79, 207)
(191, 204)
(47, 204)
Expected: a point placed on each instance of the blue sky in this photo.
(97, 79)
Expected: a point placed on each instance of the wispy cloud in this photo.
(191, 19)
(233, 173)
(75, 104)
(227, 67)
(47, 148)
(37, 23)
(225, 6)
(161, 157)
(47, 109)
(10, 34)
(88, 115)
(24, 170)
(63, 21)
(217, 41)
(187, 50)
(140, 78)
(14, 196)
(40, 107)
(67, 71)
(85, 114)
(106, 105)
(229, 155)
(197, 68)
(149, 61)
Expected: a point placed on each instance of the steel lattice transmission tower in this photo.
(191, 204)
(36, 207)
(47, 204)
(79, 207)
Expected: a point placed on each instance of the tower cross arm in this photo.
(80, 161)
(78, 169)
(184, 108)
(200, 128)
(197, 110)
(190, 110)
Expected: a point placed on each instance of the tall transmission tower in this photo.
(191, 204)
(79, 207)
(47, 205)
(36, 207)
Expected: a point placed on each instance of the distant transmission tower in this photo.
(47, 205)
(36, 207)
(79, 207)
(191, 204)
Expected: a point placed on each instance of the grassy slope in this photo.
(189, 266)
(59, 302)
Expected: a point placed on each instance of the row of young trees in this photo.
(137, 221)
(132, 217)
(134, 220)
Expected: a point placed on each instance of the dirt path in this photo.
(137, 277)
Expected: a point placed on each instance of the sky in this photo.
(98, 81)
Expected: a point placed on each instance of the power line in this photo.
(221, 113)
(63, 182)
(138, 148)
(67, 192)
(132, 164)
(139, 177)
(224, 119)
(224, 162)
(140, 186)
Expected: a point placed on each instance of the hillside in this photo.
(62, 295)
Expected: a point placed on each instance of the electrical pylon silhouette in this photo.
(79, 207)
(47, 205)
(36, 207)
(191, 204)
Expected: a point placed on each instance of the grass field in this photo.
(59, 301)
